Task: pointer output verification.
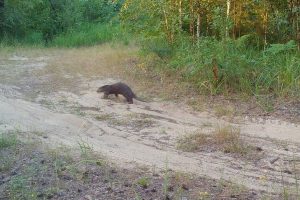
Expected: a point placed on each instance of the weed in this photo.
(192, 142)
(137, 195)
(203, 195)
(142, 123)
(104, 117)
(78, 111)
(39, 133)
(49, 104)
(87, 35)
(20, 188)
(207, 124)
(226, 139)
(196, 104)
(163, 131)
(166, 182)
(265, 102)
(224, 111)
(133, 121)
(85, 149)
(296, 176)
(7, 140)
(183, 181)
(143, 182)
(236, 189)
(6, 162)
(229, 139)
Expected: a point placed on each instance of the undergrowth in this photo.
(226, 139)
(242, 68)
(90, 34)
(85, 34)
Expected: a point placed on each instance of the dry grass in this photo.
(104, 117)
(94, 61)
(132, 121)
(226, 139)
(229, 139)
(192, 142)
(221, 111)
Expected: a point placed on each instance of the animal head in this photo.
(102, 88)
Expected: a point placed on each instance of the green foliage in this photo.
(159, 46)
(19, 188)
(253, 42)
(7, 140)
(101, 10)
(220, 22)
(143, 182)
(39, 21)
(146, 22)
(87, 35)
(282, 48)
(249, 40)
(241, 68)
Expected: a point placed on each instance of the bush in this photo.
(87, 35)
(242, 68)
(158, 46)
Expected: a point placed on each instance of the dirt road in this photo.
(53, 94)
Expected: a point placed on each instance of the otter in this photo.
(118, 88)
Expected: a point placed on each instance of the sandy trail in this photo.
(143, 133)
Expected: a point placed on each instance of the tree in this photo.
(1, 16)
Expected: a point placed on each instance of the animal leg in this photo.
(105, 96)
(129, 100)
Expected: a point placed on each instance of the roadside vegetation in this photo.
(229, 49)
(225, 139)
(222, 47)
(30, 170)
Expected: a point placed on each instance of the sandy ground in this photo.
(54, 93)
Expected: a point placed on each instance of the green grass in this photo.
(89, 35)
(144, 182)
(7, 140)
(85, 34)
(37, 167)
(28, 41)
(242, 67)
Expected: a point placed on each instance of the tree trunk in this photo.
(265, 26)
(234, 21)
(168, 32)
(1, 16)
(297, 26)
(198, 24)
(192, 19)
(180, 14)
(227, 18)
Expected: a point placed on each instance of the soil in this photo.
(54, 92)
(40, 173)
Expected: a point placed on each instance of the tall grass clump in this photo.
(242, 66)
(33, 39)
(88, 35)
(7, 140)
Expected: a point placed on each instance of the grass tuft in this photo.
(89, 35)
(226, 139)
(7, 140)
(144, 182)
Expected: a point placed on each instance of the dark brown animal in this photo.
(116, 89)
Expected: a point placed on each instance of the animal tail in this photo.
(139, 99)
